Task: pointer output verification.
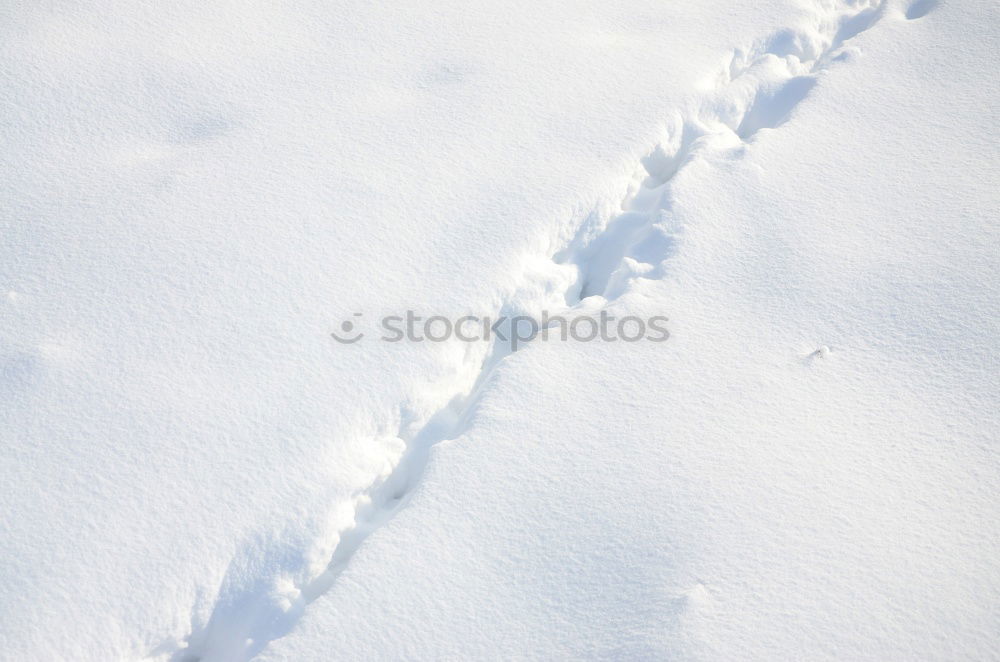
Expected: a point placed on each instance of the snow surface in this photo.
(196, 196)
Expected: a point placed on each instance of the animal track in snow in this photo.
(759, 89)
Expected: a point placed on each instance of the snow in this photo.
(196, 197)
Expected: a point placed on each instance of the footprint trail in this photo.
(759, 89)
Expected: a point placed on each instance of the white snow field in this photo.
(196, 196)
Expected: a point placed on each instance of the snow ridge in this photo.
(759, 89)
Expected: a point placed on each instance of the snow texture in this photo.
(196, 196)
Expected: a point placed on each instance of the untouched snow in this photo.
(195, 198)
